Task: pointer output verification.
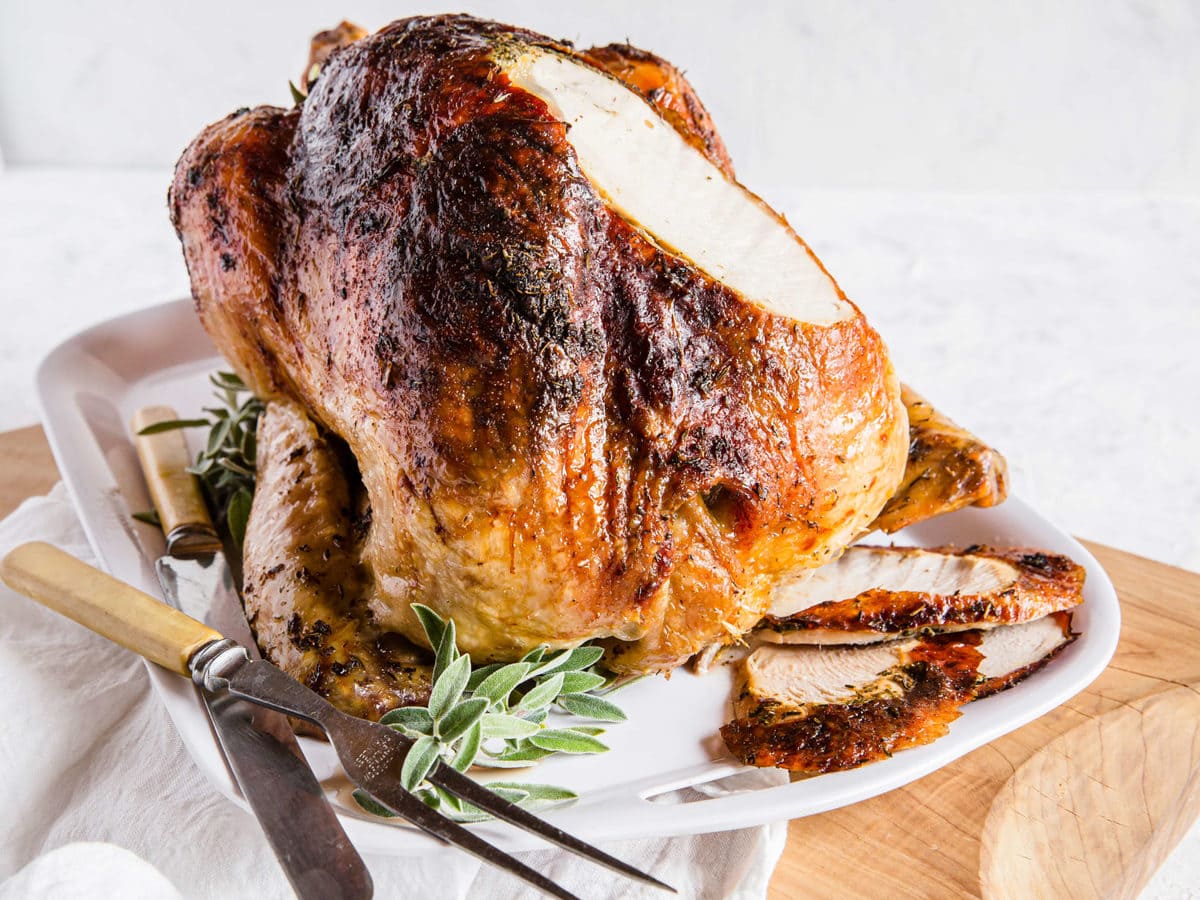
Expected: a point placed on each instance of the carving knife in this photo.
(300, 825)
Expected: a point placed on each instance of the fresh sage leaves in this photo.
(494, 716)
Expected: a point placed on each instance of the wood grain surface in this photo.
(1087, 801)
(26, 467)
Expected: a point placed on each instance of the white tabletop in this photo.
(1064, 329)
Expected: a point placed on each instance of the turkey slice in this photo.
(1014, 652)
(821, 709)
(874, 594)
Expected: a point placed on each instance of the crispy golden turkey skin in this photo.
(566, 428)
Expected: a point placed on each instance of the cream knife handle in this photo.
(121, 613)
(175, 491)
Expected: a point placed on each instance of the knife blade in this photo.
(259, 745)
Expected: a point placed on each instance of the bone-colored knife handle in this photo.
(175, 491)
(121, 613)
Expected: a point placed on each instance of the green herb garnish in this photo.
(494, 716)
(227, 464)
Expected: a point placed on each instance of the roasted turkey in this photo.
(575, 380)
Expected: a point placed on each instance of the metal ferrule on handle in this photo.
(213, 663)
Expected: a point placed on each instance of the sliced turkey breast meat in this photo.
(1015, 652)
(875, 594)
(820, 709)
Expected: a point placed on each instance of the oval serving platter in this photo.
(89, 387)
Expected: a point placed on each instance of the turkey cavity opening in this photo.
(657, 181)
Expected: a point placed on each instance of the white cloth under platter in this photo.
(102, 800)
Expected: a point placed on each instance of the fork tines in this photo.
(413, 810)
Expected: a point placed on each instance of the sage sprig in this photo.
(226, 466)
(494, 716)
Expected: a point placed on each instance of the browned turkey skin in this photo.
(304, 585)
(323, 45)
(564, 431)
(948, 468)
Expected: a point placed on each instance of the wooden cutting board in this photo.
(1085, 802)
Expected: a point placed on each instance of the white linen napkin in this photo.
(101, 799)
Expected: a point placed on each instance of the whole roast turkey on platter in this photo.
(534, 358)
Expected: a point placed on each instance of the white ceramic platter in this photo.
(91, 384)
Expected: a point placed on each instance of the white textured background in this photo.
(1023, 95)
(1010, 190)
